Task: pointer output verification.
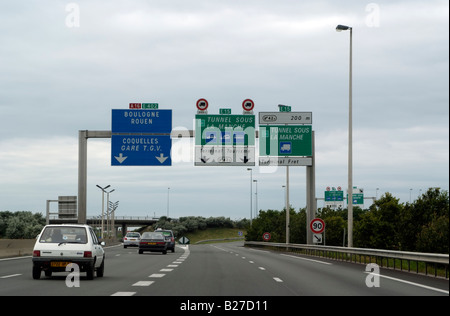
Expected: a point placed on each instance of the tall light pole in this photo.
(340, 28)
(113, 207)
(251, 180)
(256, 198)
(168, 190)
(108, 215)
(103, 205)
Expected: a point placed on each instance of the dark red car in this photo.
(154, 242)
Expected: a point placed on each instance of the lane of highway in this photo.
(222, 269)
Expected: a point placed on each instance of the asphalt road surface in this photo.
(217, 270)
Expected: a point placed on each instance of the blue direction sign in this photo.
(141, 121)
(141, 150)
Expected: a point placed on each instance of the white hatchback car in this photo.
(59, 245)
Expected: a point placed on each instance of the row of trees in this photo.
(26, 225)
(20, 225)
(188, 224)
(421, 226)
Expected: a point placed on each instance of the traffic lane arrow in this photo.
(121, 158)
(161, 158)
(224, 155)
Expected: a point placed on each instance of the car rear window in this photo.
(152, 236)
(133, 235)
(64, 234)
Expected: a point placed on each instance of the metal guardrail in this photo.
(391, 258)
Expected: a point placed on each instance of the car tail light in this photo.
(124, 238)
(88, 254)
(36, 253)
(172, 239)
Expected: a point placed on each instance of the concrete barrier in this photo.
(16, 247)
(24, 247)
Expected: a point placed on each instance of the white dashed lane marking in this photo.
(143, 283)
(174, 264)
(124, 294)
(157, 275)
(260, 268)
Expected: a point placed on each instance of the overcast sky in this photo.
(65, 65)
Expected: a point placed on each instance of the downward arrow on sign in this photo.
(121, 158)
(161, 158)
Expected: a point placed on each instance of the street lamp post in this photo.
(251, 180)
(108, 214)
(113, 207)
(168, 190)
(256, 198)
(340, 28)
(103, 205)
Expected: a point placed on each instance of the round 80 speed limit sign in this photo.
(317, 226)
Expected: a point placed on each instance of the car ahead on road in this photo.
(57, 246)
(131, 239)
(154, 242)
(168, 235)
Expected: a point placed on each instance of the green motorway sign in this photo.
(334, 196)
(224, 140)
(282, 140)
(358, 198)
(224, 129)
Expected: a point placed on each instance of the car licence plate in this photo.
(59, 264)
(151, 243)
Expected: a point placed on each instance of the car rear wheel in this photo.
(36, 272)
(101, 269)
(90, 272)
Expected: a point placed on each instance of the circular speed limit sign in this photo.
(317, 226)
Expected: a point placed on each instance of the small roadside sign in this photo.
(317, 238)
(184, 240)
(266, 236)
(317, 226)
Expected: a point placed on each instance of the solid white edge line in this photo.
(306, 259)
(10, 276)
(123, 294)
(409, 282)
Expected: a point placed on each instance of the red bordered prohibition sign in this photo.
(266, 236)
(202, 104)
(248, 105)
(317, 226)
